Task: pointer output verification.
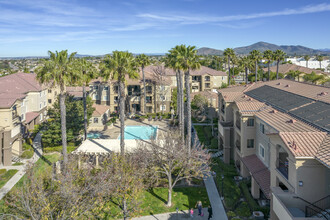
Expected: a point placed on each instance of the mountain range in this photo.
(262, 46)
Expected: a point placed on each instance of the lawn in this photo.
(6, 176)
(154, 200)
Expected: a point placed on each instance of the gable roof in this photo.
(285, 68)
(202, 71)
(100, 110)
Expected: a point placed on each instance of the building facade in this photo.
(277, 133)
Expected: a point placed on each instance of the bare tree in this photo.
(168, 158)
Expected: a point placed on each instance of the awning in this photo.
(259, 172)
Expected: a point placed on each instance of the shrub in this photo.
(231, 214)
(27, 154)
(26, 146)
(243, 210)
(2, 171)
(214, 143)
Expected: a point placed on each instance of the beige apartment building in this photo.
(159, 84)
(278, 135)
(23, 103)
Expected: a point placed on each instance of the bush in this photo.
(231, 214)
(243, 210)
(214, 143)
(26, 146)
(2, 171)
(27, 154)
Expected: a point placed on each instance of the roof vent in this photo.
(287, 85)
(244, 96)
(293, 145)
(323, 93)
(291, 121)
(225, 96)
(250, 99)
(278, 84)
(273, 111)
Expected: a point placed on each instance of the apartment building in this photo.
(159, 84)
(23, 103)
(278, 135)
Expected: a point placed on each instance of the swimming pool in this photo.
(93, 135)
(140, 132)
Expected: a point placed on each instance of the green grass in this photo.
(6, 176)
(58, 149)
(243, 210)
(27, 154)
(17, 164)
(153, 201)
(205, 136)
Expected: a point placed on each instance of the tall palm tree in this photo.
(306, 57)
(187, 60)
(314, 78)
(85, 73)
(245, 63)
(57, 71)
(172, 62)
(255, 56)
(143, 60)
(268, 55)
(279, 56)
(320, 59)
(229, 53)
(116, 67)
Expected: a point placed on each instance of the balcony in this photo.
(238, 144)
(223, 125)
(238, 124)
(283, 167)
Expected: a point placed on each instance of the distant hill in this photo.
(262, 46)
(209, 51)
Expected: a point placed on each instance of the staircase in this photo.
(320, 208)
(16, 159)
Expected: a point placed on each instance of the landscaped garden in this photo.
(204, 133)
(5, 176)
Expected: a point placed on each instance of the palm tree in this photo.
(320, 59)
(116, 67)
(245, 63)
(172, 62)
(279, 56)
(268, 55)
(314, 78)
(85, 73)
(143, 60)
(255, 56)
(306, 57)
(57, 71)
(187, 60)
(230, 54)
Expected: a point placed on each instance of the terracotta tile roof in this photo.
(30, 116)
(282, 121)
(259, 172)
(15, 86)
(250, 106)
(202, 71)
(323, 154)
(303, 144)
(285, 68)
(76, 91)
(231, 96)
(100, 110)
(207, 94)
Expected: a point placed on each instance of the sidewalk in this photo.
(182, 214)
(21, 169)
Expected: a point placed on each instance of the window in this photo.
(250, 143)
(163, 107)
(261, 151)
(49, 91)
(22, 117)
(116, 88)
(162, 98)
(195, 88)
(262, 128)
(41, 117)
(106, 88)
(106, 98)
(250, 122)
(148, 89)
(207, 78)
(149, 99)
(49, 101)
(116, 99)
(96, 120)
(207, 85)
(162, 88)
(96, 87)
(95, 96)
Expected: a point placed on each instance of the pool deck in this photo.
(114, 131)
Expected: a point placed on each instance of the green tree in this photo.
(268, 55)
(306, 57)
(314, 78)
(279, 56)
(255, 56)
(143, 60)
(187, 60)
(293, 74)
(117, 66)
(85, 73)
(230, 54)
(245, 63)
(57, 71)
(320, 59)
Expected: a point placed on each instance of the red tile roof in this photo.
(285, 68)
(250, 106)
(323, 154)
(76, 91)
(202, 71)
(100, 110)
(30, 116)
(259, 172)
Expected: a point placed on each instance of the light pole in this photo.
(222, 178)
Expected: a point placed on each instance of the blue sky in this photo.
(31, 28)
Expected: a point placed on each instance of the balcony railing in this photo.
(223, 110)
(238, 124)
(283, 167)
(238, 144)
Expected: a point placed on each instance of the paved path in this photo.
(21, 169)
(176, 216)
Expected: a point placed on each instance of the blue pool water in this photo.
(140, 132)
(93, 135)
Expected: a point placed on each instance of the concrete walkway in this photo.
(177, 216)
(21, 169)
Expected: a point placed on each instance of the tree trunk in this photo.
(268, 70)
(181, 123)
(169, 195)
(144, 92)
(122, 116)
(246, 75)
(63, 127)
(125, 212)
(187, 79)
(85, 113)
(228, 70)
(256, 62)
(178, 111)
(277, 64)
